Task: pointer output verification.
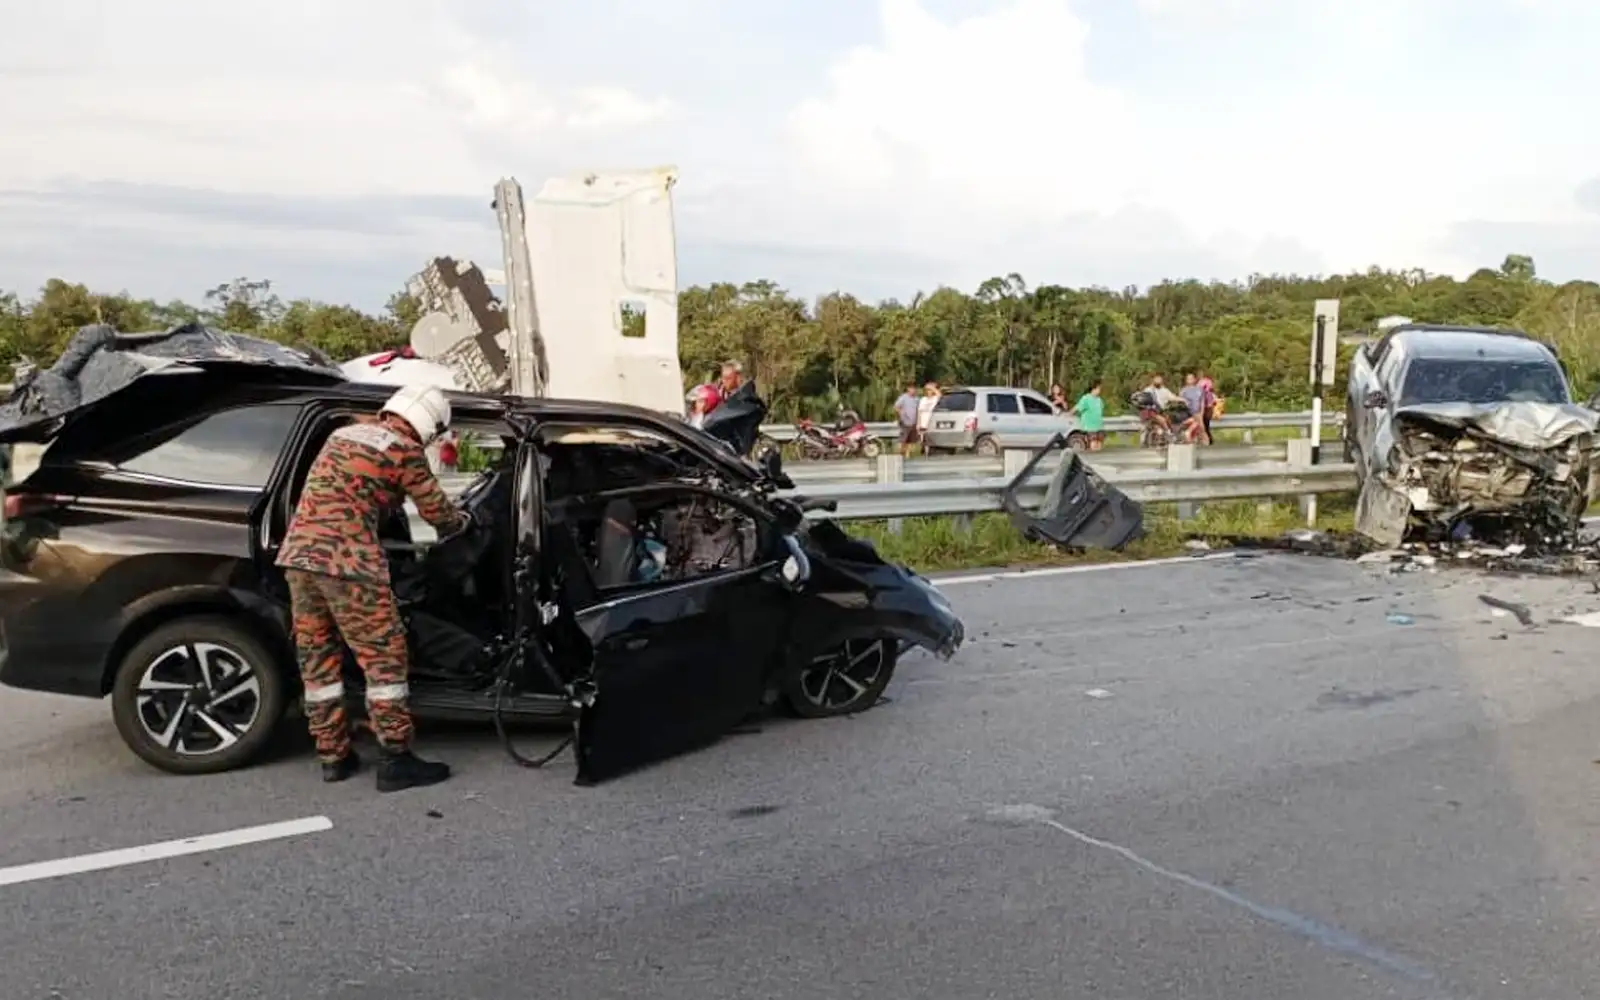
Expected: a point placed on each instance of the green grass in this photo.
(944, 543)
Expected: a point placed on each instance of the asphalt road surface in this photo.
(1231, 778)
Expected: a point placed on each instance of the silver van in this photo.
(991, 418)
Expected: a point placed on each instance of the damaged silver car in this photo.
(1458, 430)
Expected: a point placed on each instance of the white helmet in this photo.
(424, 407)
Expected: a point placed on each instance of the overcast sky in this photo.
(878, 146)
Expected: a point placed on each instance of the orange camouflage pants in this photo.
(366, 617)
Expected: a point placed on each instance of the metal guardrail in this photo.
(1124, 425)
(1108, 462)
(932, 498)
(1288, 476)
(1246, 422)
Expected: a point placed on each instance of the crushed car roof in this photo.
(99, 361)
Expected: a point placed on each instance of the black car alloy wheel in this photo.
(847, 679)
(198, 696)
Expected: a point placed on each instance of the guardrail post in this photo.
(1249, 435)
(1013, 461)
(1300, 458)
(892, 469)
(1180, 458)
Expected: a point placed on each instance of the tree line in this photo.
(808, 358)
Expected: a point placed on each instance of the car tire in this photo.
(846, 680)
(248, 694)
(987, 446)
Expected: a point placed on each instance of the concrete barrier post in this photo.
(892, 469)
(1013, 461)
(1181, 458)
(1300, 458)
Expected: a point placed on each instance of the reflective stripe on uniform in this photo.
(330, 692)
(388, 692)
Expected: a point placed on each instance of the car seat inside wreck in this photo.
(668, 528)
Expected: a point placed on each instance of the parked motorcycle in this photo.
(1157, 427)
(847, 438)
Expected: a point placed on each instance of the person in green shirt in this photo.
(1091, 411)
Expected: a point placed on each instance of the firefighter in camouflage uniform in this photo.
(339, 579)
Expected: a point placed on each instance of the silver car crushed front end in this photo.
(1445, 463)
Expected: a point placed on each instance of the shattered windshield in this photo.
(1482, 382)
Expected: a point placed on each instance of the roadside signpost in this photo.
(1324, 363)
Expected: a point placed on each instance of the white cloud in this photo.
(994, 113)
(1368, 149)
(1195, 137)
(281, 96)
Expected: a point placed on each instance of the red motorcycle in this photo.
(847, 438)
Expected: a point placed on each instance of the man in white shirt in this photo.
(1164, 397)
(925, 405)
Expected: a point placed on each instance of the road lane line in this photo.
(166, 849)
(1028, 574)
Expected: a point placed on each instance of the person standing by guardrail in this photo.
(1209, 402)
(1091, 411)
(1194, 398)
(905, 414)
(925, 405)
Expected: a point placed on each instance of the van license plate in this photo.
(944, 425)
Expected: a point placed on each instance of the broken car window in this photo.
(1482, 382)
(656, 536)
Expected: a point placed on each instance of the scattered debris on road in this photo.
(1396, 618)
(1100, 693)
(1520, 610)
(1517, 547)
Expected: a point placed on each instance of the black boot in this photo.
(344, 767)
(399, 769)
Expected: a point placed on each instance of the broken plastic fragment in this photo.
(1101, 693)
(1524, 616)
(1396, 618)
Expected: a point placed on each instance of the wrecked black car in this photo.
(1456, 430)
(623, 570)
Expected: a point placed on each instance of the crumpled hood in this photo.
(1523, 425)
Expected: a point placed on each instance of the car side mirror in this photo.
(1375, 400)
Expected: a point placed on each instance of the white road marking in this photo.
(1590, 619)
(166, 849)
(1028, 574)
